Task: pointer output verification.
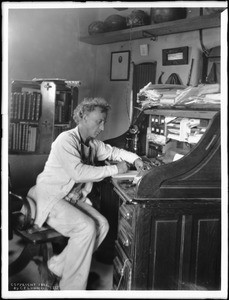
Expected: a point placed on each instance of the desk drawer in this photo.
(127, 213)
(125, 237)
(122, 274)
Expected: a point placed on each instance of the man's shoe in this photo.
(49, 280)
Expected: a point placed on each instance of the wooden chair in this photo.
(38, 242)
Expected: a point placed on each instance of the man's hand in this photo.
(122, 167)
(139, 165)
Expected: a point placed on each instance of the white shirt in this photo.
(65, 168)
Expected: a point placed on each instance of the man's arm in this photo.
(67, 151)
(105, 151)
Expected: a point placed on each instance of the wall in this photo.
(119, 93)
(43, 43)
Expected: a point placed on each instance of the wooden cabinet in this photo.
(167, 244)
(39, 111)
(169, 222)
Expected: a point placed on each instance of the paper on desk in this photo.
(130, 174)
(177, 156)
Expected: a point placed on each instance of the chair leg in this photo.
(46, 251)
(48, 280)
(27, 254)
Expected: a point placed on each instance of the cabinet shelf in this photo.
(33, 110)
(154, 30)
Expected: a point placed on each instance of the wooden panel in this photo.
(165, 254)
(141, 247)
(207, 253)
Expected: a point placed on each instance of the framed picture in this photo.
(120, 65)
(175, 56)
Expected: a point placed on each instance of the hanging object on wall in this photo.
(115, 22)
(211, 66)
(96, 27)
(173, 79)
(137, 18)
(190, 72)
(166, 14)
(159, 79)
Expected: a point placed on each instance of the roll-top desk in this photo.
(169, 223)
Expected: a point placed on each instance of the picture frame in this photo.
(120, 66)
(175, 56)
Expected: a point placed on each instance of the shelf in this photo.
(154, 30)
(205, 114)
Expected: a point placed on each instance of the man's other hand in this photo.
(122, 167)
(139, 165)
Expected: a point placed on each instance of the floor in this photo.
(101, 275)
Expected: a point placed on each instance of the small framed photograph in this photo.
(120, 65)
(175, 56)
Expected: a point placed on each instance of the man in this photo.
(61, 191)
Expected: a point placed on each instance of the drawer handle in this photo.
(126, 243)
(124, 239)
(125, 213)
(126, 216)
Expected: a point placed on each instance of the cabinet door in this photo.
(205, 252)
(185, 252)
(165, 252)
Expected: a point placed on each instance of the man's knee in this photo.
(105, 225)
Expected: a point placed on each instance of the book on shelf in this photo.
(29, 107)
(22, 137)
(19, 105)
(32, 138)
(15, 105)
(25, 106)
(63, 107)
(38, 106)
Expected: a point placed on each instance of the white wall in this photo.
(118, 93)
(43, 43)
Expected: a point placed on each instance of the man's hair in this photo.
(88, 105)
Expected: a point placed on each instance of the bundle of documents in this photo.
(173, 94)
(158, 94)
(202, 94)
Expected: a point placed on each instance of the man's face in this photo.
(94, 122)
